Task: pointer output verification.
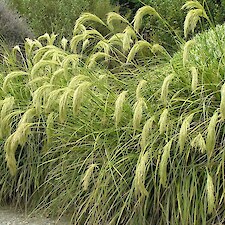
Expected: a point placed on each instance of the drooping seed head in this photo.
(64, 43)
(199, 142)
(146, 132)
(87, 176)
(140, 86)
(163, 121)
(10, 148)
(52, 99)
(75, 41)
(103, 45)
(187, 48)
(210, 194)
(19, 137)
(183, 131)
(10, 76)
(49, 38)
(192, 5)
(138, 111)
(28, 116)
(96, 56)
(196, 10)
(119, 107)
(136, 48)
(129, 33)
(164, 92)
(145, 10)
(194, 82)
(112, 16)
(164, 162)
(78, 96)
(7, 106)
(39, 95)
(192, 19)
(87, 17)
(140, 175)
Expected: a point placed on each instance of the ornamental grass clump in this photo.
(128, 145)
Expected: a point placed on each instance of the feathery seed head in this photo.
(49, 38)
(22, 132)
(75, 41)
(96, 56)
(87, 17)
(111, 16)
(158, 48)
(93, 33)
(87, 176)
(165, 86)
(164, 162)
(64, 42)
(138, 111)
(55, 76)
(194, 82)
(52, 98)
(7, 106)
(5, 128)
(210, 194)
(192, 5)
(145, 10)
(41, 95)
(28, 116)
(75, 81)
(146, 131)
(78, 96)
(10, 76)
(163, 121)
(86, 43)
(192, 19)
(40, 65)
(136, 48)
(140, 175)
(199, 142)
(119, 107)
(117, 39)
(11, 144)
(129, 33)
(79, 29)
(140, 86)
(103, 45)
(10, 148)
(187, 48)
(183, 131)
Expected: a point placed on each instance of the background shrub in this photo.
(59, 16)
(13, 28)
(155, 30)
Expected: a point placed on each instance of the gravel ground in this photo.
(12, 217)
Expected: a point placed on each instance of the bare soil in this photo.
(9, 216)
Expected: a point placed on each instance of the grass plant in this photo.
(115, 139)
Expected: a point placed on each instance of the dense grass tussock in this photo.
(132, 145)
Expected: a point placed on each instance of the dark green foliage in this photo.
(171, 11)
(58, 16)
